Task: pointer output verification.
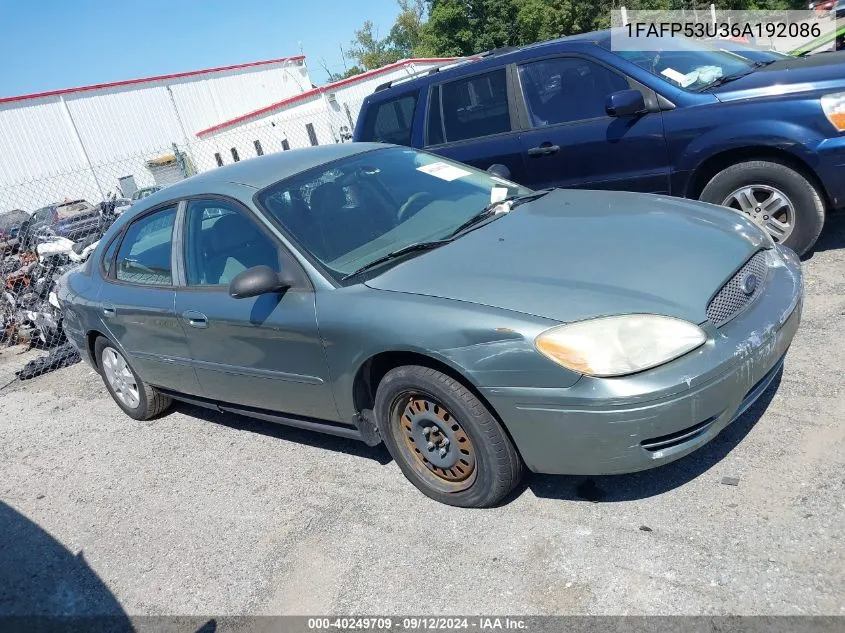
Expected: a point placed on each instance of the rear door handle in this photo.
(195, 319)
(544, 149)
(109, 310)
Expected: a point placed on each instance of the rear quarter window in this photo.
(391, 121)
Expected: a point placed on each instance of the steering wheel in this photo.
(413, 205)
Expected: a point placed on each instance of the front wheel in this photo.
(774, 196)
(445, 441)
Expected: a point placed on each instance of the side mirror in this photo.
(258, 280)
(625, 103)
(497, 169)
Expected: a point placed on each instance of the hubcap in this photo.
(120, 378)
(768, 207)
(436, 442)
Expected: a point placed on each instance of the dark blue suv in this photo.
(762, 134)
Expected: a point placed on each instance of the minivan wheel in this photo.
(445, 441)
(137, 399)
(774, 196)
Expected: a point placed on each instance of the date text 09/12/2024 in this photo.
(416, 623)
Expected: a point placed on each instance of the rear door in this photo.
(473, 120)
(572, 142)
(263, 352)
(136, 301)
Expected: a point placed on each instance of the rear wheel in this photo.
(137, 399)
(447, 443)
(776, 197)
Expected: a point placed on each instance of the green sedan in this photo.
(475, 327)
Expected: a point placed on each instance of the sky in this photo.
(53, 44)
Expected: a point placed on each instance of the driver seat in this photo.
(235, 245)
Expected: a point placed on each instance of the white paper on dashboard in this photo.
(674, 75)
(444, 171)
(497, 194)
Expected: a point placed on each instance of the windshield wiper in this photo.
(492, 210)
(733, 77)
(399, 252)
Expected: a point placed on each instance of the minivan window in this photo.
(144, 253)
(475, 106)
(391, 121)
(564, 89)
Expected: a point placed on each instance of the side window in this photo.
(476, 106)
(222, 241)
(391, 121)
(108, 256)
(144, 253)
(567, 89)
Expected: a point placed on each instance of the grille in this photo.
(731, 299)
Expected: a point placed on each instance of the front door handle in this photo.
(195, 319)
(544, 149)
(109, 310)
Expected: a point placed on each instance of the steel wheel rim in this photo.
(436, 444)
(766, 206)
(120, 378)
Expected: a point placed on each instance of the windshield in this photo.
(353, 211)
(690, 64)
(750, 51)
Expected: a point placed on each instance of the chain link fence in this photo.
(51, 223)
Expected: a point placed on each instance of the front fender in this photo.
(797, 140)
(489, 347)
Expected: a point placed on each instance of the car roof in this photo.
(261, 171)
(495, 57)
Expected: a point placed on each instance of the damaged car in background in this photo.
(32, 258)
(473, 325)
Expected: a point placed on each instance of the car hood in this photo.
(574, 255)
(824, 71)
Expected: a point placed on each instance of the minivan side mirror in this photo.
(625, 103)
(258, 280)
(497, 169)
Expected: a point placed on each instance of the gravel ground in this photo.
(200, 513)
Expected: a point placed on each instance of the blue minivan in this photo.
(764, 135)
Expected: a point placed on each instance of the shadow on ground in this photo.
(43, 586)
(832, 237)
(288, 433)
(610, 488)
(613, 488)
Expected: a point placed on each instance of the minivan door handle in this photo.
(544, 149)
(195, 319)
(109, 310)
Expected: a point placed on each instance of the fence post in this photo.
(80, 145)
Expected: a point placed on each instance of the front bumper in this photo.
(604, 426)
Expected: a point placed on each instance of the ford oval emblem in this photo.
(749, 284)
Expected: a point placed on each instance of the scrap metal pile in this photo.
(31, 263)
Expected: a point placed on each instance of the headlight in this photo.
(619, 345)
(833, 106)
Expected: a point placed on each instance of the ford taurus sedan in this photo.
(476, 327)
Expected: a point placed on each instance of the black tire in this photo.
(497, 467)
(804, 196)
(151, 403)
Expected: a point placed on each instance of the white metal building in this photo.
(319, 116)
(80, 142)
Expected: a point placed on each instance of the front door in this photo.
(262, 352)
(572, 142)
(136, 302)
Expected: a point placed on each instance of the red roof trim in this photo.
(131, 82)
(328, 87)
